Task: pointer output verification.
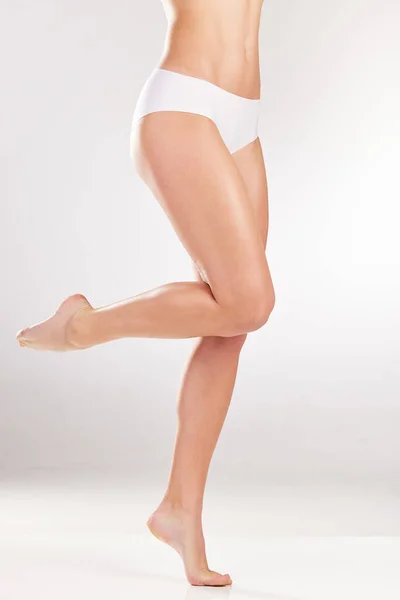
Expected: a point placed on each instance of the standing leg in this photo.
(203, 403)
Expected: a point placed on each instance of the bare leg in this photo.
(175, 310)
(207, 202)
(205, 196)
(203, 404)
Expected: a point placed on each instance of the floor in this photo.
(78, 540)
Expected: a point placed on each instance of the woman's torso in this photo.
(215, 40)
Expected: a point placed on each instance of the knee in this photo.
(227, 345)
(253, 311)
(233, 343)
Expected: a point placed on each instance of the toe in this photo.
(225, 579)
(220, 580)
(22, 334)
(212, 579)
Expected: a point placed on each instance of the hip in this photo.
(235, 116)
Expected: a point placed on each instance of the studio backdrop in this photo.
(318, 388)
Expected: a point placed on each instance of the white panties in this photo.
(236, 117)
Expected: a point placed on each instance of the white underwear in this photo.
(236, 117)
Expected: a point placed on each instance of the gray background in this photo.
(317, 395)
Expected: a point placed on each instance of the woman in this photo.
(195, 144)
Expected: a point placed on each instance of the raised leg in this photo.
(184, 161)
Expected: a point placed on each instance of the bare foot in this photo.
(52, 334)
(184, 533)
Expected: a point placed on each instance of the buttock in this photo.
(236, 117)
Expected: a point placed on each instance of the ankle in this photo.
(78, 328)
(191, 509)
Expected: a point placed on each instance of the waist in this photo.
(227, 58)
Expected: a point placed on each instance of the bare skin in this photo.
(218, 205)
(203, 403)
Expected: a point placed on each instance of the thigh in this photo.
(184, 161)
(250, 163)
